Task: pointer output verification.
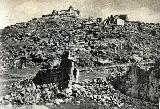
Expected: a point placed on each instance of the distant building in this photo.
(120, 19)
(116, 20)
(120, 22)
(123, 17)
(69, 12)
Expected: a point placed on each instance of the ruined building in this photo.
(69, 12)
(64, 75)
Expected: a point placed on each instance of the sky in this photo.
(15, 11)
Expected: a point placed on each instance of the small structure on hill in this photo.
(69, 12)
(116, 20)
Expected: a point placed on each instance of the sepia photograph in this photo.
(79, 54)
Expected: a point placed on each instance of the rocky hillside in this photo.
(92, 43)
(43, 39)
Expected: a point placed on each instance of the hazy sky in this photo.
(14, 11)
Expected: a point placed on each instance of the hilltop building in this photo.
(69, 12)
(120, 19)
(116, 20)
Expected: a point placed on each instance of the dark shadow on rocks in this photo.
(61, 75)
(139, 83)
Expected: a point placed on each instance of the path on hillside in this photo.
(118, 65)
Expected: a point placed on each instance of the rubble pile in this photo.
(27, 93)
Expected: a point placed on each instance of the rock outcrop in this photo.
(139, 83)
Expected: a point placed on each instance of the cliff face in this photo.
(139, 83)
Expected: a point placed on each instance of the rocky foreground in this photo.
(97, 93)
